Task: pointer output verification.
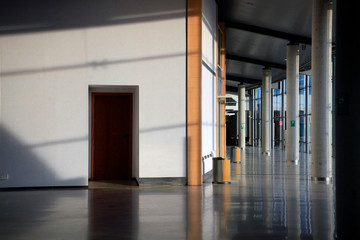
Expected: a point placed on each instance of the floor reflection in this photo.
(274, 199)
(268, 198)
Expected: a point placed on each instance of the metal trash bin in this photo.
(235, 155)
(221, 170)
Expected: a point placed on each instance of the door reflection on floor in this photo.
(268, 198)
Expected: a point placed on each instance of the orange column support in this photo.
(221, 107)
(194, 64)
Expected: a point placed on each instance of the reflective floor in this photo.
(268, 198)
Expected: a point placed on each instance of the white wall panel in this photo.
(44, 94)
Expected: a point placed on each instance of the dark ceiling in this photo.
(257, 32)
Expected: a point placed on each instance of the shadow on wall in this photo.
(24, 169)
(94, 65)
(18, 16)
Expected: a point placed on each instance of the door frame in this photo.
(117, 90)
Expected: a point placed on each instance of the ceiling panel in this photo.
(292, 16)
(256, 46)
(248, 51)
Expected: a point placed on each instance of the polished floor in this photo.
(268, 198)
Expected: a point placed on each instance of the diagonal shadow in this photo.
(94, 64)
(22, 16)
(24, 168)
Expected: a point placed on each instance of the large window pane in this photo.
(302, 81)
(277, 115)
(309, 134)
(258, 93)
(309, 101)
(302, 134)
(277, 102)
(257, 127)
(278, 91)
(302, 101)
(257, 122)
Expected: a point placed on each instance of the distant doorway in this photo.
(111, 136)
(277, 129)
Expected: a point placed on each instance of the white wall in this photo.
(45, 79)
(208, 81)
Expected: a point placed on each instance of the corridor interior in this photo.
(268, 198)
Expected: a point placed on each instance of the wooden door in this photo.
(111, 141)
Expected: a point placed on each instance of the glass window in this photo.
(258, 108)
(276, 91)
(309, 101)
(257, 114)
(302, 133)
(302, 101)
(277, 102)
(302, 81)
(309, 133)
(258, 93)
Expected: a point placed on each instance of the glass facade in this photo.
(257, 117)
(277, 117)
(309, 114)
(279, 114)
(303, 113)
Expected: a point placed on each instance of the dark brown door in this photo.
(111, 150)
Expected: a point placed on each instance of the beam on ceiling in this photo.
(243, 79)
(269, 32)
(255, 61)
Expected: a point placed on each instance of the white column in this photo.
(321, 89)
(265, 111)
(292, 103)
(242, 116)
(251, 118)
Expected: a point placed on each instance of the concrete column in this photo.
(321, 90)
(251, 118)
(292, 103)
(347, 119)
(242, 116)
(265, 111)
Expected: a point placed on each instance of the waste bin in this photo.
(221, 170)
(235, 155)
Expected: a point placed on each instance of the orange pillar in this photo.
(221, 107)
(194, 63)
